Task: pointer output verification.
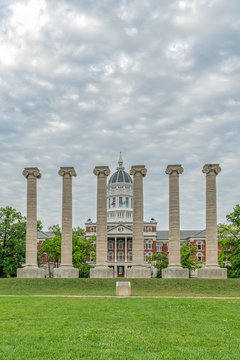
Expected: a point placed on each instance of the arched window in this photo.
(149, 244)
(92, 229)
(199, 256)
(130, 256)
(110, 256)
(120, 201)
(159, 247)
(120, 256)
(120, 244)
(110, 245)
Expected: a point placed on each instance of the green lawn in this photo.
(144, 287)
(118, 329)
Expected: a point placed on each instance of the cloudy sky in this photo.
(81, 81)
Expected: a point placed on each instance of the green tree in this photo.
(229, 239)
(160, 262)
(81, 251)
(187, 259)
(51, 250)
(12, 240)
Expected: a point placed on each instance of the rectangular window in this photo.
(120, 201)
(149, 245)
(145, 245)
(127, 202)
(130, 244)
(199, 245)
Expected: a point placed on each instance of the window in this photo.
(144, 229)
(149, 229)
(120, 201)
(149, 244)
(110, 256)
(110, 244)
(199, 256)
(130, 244)
(92, 242)
(127, 203)
(144, 257)
(159, 247)
(120, 244)
(113, 201)
(149, 255)
(130, 256)
(91, 229)
(131, 202)
(145, 245)
(109, 202)
(120, 256)
(199, 245)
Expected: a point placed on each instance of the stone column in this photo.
(30, 269)
(66, 269)
(138, 270)
(174, 269)
(101, 269)
(211, 269)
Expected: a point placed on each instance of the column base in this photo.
(138, 272)
(30, 272)
(212, 273)
(101, 272)
(175, 273)
(66, 272)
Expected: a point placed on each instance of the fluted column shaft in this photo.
(174, 215)
(138, 173)
(66, 243)
(101, 242)
(31, 174)
(211, 171)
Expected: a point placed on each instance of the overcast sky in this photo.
(81, 81)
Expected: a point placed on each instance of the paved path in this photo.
(129, 297)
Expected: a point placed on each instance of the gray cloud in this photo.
(81, 81)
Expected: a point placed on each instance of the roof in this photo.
(42, 235)
(120, 176)
(184, 234)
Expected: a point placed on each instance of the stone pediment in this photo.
(120, 230)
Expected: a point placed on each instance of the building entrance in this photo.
(120, 271)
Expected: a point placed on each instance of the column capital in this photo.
(32, 171)
(101, 170)
(174, 169)
(211, 168)
(138, 169)
(67, 171)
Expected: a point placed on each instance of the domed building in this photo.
(120, 227)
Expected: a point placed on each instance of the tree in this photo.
(12, 240)
(187, 259)
(81, 251)
(161, 262)
(229, 239)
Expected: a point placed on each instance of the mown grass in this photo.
(141, 287)
(118, 329)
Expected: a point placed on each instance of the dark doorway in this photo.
(120, 271)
